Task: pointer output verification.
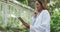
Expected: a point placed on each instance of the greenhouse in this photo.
(9, 13)
(10, 10)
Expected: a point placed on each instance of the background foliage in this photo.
(54, 9)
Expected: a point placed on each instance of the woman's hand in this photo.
(35, 12)
(27, 25)
(24, 23)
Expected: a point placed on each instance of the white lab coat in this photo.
(41, 23)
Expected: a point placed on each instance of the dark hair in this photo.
(39, 1)
(43, 3)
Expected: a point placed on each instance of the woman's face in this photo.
(38, 6)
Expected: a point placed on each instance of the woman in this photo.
(41, 19)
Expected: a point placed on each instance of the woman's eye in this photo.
(37, 4)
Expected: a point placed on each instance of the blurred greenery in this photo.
(23, 1)
(54, 9)
(11, 22)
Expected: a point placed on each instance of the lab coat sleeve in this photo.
(44, 25)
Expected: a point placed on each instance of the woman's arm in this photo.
(24, 23)
(45, 23)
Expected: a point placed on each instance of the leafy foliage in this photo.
(23, 1)
(54, 8)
